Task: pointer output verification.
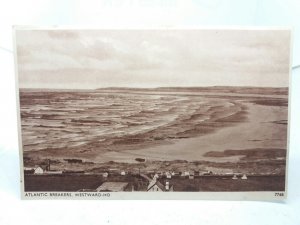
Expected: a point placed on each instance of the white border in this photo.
(233, 196)
(253, 196)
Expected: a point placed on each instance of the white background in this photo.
(140, 13)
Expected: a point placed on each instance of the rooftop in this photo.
(112, 186)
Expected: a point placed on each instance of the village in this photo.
(42, 178)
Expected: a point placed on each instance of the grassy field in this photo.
(61, 182)
(77, 182)
(226, 183)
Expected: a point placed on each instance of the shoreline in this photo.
(247, 135)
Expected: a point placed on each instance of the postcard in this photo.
(153, 113)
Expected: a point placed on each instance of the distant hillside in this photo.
(213, 89)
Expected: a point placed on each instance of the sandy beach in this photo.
(259, 131)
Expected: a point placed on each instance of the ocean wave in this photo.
(71, 121)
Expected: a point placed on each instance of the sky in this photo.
(87, 59)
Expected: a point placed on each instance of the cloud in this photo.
(152, 58)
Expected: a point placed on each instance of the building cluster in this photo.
(45, 169)
(41, 169)
(154, 183)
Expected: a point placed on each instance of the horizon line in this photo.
(158, 87)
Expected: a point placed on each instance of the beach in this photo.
(157, 125)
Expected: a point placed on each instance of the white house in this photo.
(156, 186)
(168, 175)
(244, 177)
(105, 174)
(234, 177)
(38, 170)
(191, 175)
(186, 173)
(208, 172)
(123, 173)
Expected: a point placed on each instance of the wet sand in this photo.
(259, 131)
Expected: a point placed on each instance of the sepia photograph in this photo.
(160, 110)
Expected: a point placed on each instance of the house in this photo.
(207, 173)
(168, 175)
(41, 169)
(105, 174)
(235, 177)
(186, 173)
(168, 187)
(156, 186)
(112, 186)
(176, 174)
(38, 170)
(123, 173)
(191, 175)
(244, 177)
